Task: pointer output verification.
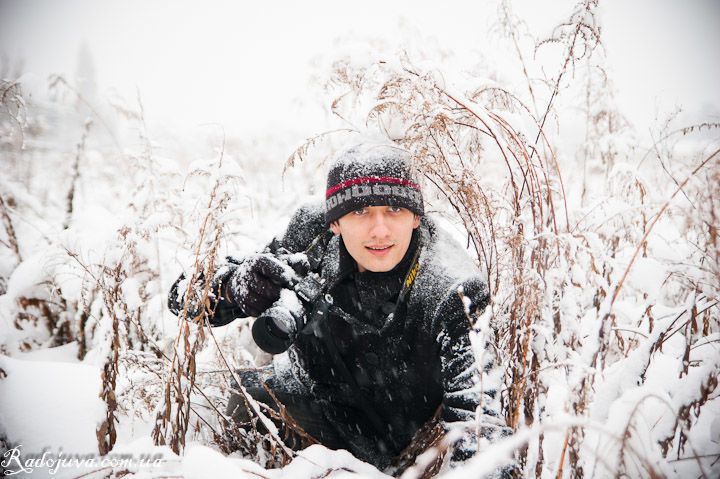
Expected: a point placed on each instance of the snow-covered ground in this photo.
(604, 263)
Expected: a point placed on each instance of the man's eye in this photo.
(360, 211)
(396, 209)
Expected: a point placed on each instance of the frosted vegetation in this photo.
(602, 254)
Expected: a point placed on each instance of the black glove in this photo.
(183, 292)
(255, 284)
(297, 261)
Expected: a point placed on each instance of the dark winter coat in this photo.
(407, 359)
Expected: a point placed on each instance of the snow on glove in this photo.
(221, 278)
(255, 284)
(297, 261)
(183, 292)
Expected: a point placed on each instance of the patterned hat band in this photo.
(356, 193)
(371, 179)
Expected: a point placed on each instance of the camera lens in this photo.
(270, 331)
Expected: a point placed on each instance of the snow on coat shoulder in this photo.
(447, 271)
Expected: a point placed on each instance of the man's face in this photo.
(377, 237)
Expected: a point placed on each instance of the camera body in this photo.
(277, 327)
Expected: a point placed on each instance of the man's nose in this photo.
(379, 227)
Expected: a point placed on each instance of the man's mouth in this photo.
(379, 249)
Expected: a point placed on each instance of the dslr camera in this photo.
(278, 326)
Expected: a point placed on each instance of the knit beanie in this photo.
(371, 174)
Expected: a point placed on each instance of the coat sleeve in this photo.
(305, 225)
(468, 404)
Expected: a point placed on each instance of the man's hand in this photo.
(182, 293)
(255, 284)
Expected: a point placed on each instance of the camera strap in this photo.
(317, 249)
(410, 275)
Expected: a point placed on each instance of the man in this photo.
(374, 313)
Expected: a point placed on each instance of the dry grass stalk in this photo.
(108, 284)
(172, 418)
(12, 106)
(75, 175)
(107, 431)
(655, 220)
(430, 443)
(232, 440)
(12, 244)
(580, 35)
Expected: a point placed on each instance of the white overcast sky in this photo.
(240, 63)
